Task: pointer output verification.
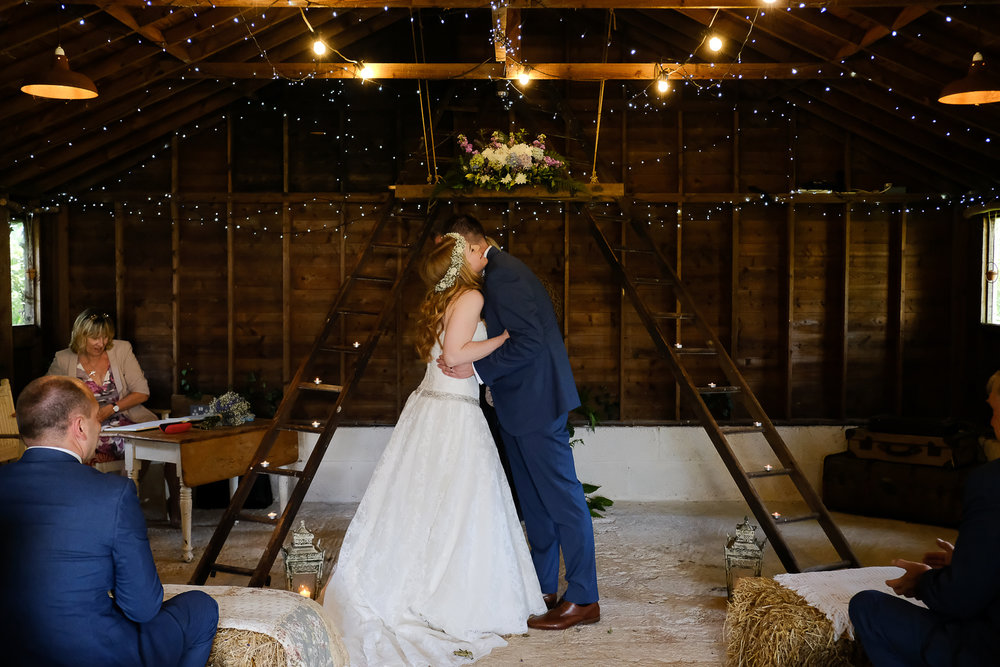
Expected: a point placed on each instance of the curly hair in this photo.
(91, 323)
(435, 304)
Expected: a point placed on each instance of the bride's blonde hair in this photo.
(432, 270)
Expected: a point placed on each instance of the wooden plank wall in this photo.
(832, 309)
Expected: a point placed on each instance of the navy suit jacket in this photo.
(529, 375)
(967, 592)
(70, 535)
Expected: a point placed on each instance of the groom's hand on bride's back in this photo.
(461, 371)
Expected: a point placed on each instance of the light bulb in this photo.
(715, 43)
(366, 72)
(319, 48)
(523, 78)
(662, 84)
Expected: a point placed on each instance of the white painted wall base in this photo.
(629, 463)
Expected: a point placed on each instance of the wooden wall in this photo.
(224, 252)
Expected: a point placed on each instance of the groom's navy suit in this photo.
(533, 391)
(69, 535)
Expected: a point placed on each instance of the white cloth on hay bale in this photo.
(298, 624)
(830, 592)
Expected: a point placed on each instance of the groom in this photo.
(533, 392)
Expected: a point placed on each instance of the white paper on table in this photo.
(145, 426)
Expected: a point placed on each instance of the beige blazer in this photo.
(125, 369)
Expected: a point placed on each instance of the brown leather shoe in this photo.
(551, 600)
(566, 615)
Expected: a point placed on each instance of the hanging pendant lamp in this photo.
(60, 82)
(980, 86)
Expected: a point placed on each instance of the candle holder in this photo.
(304, 563)
(743, 551)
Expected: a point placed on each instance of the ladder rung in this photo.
(319, 386)
(232, 569)
(719, 389)
(391, 246)
(255, 518)
(341, 348)
(302, 428)
(736, 430)
(286, 472)
(374, 279)
(795, 519)
(697, 350)
(839, 565)
(769, 473)
(348, 311)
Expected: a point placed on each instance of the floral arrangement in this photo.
(506, 161)
(230, 409)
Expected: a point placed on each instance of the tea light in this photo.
(768, 467)
(776, 514)
(757, 424)
(305, 592)
(316, 424)
(316, 381)
(357, 344)
(678, 345)
(272, 515)
(264, 464)
(711, 384)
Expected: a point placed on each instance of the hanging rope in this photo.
(600, 98)
(422, 93)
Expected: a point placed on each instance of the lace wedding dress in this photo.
(434, 566)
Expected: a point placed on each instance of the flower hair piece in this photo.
(457, 258)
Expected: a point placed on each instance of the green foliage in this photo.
(18, 274)
(189, 383)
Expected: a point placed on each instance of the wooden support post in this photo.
(896, 300)
(789, 306)
(6, 319)
(734, 246)
(60, 276)
(845, 283)
(286, 262)
(175, 263)
(122, 321)
(230, 261)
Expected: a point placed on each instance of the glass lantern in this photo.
(303, 563)
(743, 551)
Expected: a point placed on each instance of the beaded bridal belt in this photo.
(446, 396)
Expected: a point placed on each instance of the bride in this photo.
(434, 566)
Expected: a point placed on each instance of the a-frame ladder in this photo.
(702, 367)
(314, 399)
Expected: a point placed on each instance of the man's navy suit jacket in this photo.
(529, 375)
(70, 535)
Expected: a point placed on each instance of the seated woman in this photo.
(110, 370)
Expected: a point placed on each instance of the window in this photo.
(22, 273)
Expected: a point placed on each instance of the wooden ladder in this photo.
(314, 399)
(697, 358)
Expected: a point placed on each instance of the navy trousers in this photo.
(555, 510)
(182, 633)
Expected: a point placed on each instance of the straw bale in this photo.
(768, 624)
(245, 648)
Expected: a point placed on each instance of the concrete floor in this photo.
(661, 569)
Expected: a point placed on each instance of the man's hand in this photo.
(906, 585)
(461, 371)
(941, 558)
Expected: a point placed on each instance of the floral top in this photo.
(110, 447)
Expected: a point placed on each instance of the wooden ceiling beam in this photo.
(150, 32)
(541, 71)
(524, 4)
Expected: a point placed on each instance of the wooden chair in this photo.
(11, 446)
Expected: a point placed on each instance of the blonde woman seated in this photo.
(111, 372)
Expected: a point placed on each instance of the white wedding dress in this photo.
(434, 566)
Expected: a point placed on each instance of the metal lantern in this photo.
(743, 551)
(303, 563)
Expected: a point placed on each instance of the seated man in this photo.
(78, 581)
(960, 586)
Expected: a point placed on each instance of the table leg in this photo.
(132, 466)
(185, 496)
(282, 493)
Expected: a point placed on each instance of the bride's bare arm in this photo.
(460, 325)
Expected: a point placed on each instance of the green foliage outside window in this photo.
(22, 311)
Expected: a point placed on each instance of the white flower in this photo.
(520, 179)
(505, 179)
(537, 153)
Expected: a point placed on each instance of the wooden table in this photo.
(204, 456)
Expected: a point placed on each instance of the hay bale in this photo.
(244, 648)
(768, 624)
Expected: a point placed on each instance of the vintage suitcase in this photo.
(956, 450)
(910, 492)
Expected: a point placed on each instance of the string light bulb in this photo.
(662, 83)
(524, 77)
(715, 43)
(319, 48)
(365, 72)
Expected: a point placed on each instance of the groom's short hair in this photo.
(466, 225)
